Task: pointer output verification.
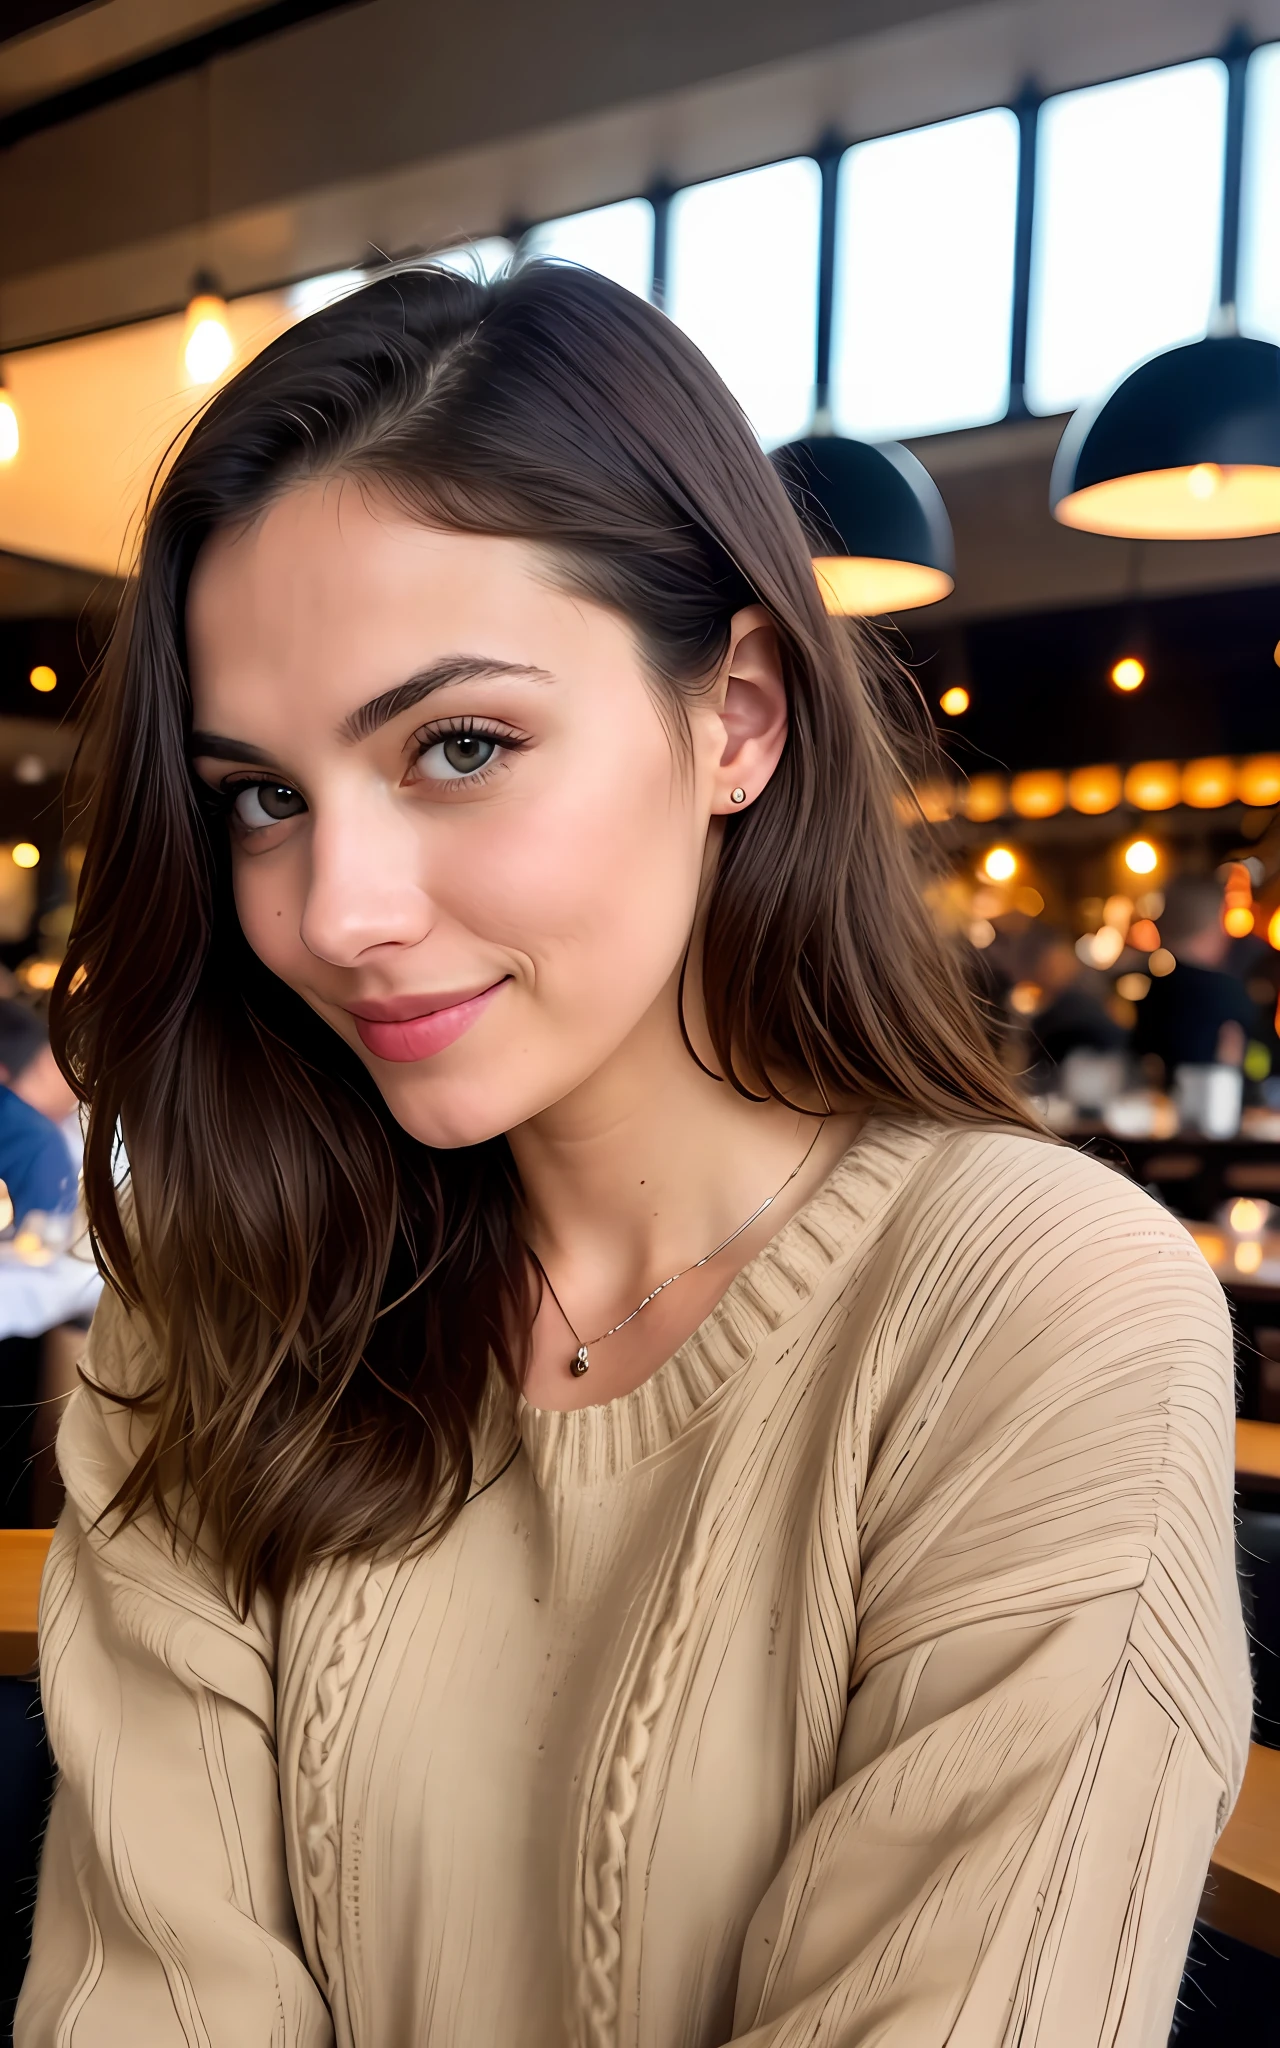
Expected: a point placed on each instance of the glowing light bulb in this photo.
(43, 678)
(1204, 479)
(1000, 865)
(25, 855)
(1248, 1256)
(10, 436)
(1245, 1216)
(207, 347)
(1140, 857)
(1128, 673)
(954, 701)
(1273, 930)
(1237, 921)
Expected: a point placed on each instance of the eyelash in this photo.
(222, 801)
(505, 741)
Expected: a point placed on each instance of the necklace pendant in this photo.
(580, 1363)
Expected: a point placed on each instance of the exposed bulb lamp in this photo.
(207, 346)
(881, 537)
(1185, 447)
(10, 432)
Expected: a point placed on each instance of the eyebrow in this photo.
(369, 718)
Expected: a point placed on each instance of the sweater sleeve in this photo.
(1050, 1702)
(164, 1913)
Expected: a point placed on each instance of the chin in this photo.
(448, 1118)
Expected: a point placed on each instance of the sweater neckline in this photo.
(581, 1445)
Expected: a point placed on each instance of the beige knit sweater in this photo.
(873, 1674)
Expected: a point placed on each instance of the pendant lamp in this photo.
(1185, 447)
(207, 345)
(877, 522)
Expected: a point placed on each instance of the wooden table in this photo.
(1242, 1891)
(22, 1556)
(1258, 1453)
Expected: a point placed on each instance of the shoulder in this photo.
(108, 1420)
(1013, 1234)
(21, 1124)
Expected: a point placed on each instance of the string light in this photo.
(43, 678)
(1237, 901)
(1000, 865)
(1140, 857)
(1128, 673)
(25, 855)
(954, 701)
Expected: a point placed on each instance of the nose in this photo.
(365, 887)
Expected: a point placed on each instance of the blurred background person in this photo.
(36, 1163)
(1201, 1014)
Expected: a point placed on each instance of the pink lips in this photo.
(414, 1027)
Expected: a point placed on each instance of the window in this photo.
(1258, 294)
(314, 293)
(485, 257)
(923, 302)
(742, 280)
(615, 240)
(1128, 227)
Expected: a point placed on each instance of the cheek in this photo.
(269, 905)
(598, 877)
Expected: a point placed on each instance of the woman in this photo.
(625, 1494)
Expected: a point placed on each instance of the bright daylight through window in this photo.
(924, 278)
(1127, 227)
(615, 240)
(755, 224)
(1258, 298)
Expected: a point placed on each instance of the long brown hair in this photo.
(326, 1293)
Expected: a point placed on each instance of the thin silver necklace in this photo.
(581, 1362)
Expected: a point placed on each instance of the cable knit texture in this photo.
(873, 1674)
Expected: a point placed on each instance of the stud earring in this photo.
(737, 796)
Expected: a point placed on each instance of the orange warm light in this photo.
(1237, 901)
(1001, 864)
(984, 798)
(1153, 785)
(1273, 930)
(937, 802)
(1140, 857)
(1093, 790)
(955, 701)
(1199, 502)
(1258, 780)
(1208, 784)
(1040, 794)
(864, 586)
(42, 677)
(1129, 673)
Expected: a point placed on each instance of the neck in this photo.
(645, 1168)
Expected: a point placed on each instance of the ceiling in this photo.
(47, 48)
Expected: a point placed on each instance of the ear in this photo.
(753, 710)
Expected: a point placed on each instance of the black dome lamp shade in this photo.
(1186, 447)
(879, 529)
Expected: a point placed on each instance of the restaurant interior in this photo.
(999, 287)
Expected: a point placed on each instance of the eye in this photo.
(259, 804)
(456, 755)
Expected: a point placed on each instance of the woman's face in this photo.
(460, 828)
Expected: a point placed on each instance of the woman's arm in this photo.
(1051, 1697)
(164, 1914)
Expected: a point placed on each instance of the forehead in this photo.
(328, 581)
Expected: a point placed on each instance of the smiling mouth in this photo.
(415, 1027)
